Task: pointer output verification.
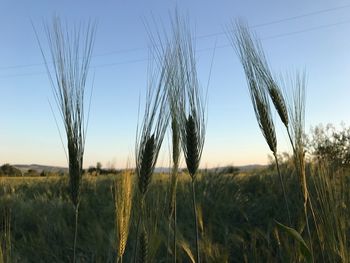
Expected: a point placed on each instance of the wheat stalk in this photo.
(153, 128)
(260, 83)
(185, 100)
(296, 132)
(176, 148)
(296, 110)
(150, 137)
(71, 53)
(167, 52)
(192, 116)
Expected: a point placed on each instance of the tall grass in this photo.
(5, 235)
(71, 51)
(331, 198)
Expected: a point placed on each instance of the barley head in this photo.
(280, 104)
(176, 141)
(143, 250)
(192, 154)
(265, 122)
(147, 166)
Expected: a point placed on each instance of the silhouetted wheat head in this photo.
(193, 113)
(143, 250)
(153, 128)
(147, 165)
(192, 153)
(71, 54)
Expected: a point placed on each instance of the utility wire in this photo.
(200, 50)
(123, 51)
(278, 21)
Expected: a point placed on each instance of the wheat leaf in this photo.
(305, 251)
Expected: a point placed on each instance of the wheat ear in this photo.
(143, 251)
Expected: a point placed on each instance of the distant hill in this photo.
(242, 168)
(39, 168)
(54, 169)
(250, 167)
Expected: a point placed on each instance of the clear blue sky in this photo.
(311, 35)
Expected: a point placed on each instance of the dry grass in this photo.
(332, 219)
(123, 194)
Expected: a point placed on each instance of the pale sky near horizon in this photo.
(296, 35)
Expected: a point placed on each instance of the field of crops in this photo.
(237, 219)
(296, 209)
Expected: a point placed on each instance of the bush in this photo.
(331, 145)
(9, 170)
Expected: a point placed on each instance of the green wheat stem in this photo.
(283, 188)
(195, 219)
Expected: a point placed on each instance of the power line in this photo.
(302, 16)
(200, 50)
(308, 29)
(278, 21)
(290, 33)
(92, 67)
(123, 51)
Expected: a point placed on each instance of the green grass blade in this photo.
(305, 251)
